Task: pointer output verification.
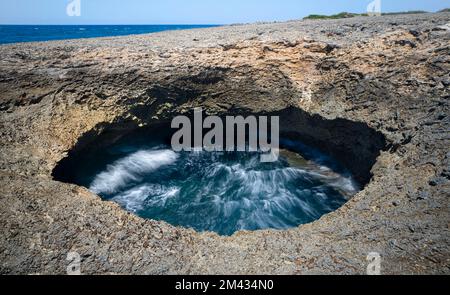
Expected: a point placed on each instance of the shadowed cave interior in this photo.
(322, 164)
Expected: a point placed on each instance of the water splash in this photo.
(130, 170)
(224, 191)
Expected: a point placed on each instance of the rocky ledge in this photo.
(374, 88)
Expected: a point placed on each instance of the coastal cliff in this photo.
(372, 90)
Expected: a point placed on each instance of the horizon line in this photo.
(106, 24)
(208, 24)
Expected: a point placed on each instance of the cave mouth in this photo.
(322, 164)
(223, 192)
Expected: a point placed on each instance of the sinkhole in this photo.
(223, 192)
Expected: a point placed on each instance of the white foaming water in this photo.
(346, 185)
(135, 198)
(213, 191)
(130, 169)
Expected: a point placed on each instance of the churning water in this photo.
(222, 192)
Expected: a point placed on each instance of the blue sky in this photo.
(190, 11)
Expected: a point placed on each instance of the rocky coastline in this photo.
(373, 91)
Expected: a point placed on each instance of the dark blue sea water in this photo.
(222, 192)
(29, 33)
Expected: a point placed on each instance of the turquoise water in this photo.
(27, 33)
(223, 192)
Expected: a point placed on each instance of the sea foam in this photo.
(130, 169)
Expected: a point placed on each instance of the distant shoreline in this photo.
(346, 14)
(10, 34)
(83, 34)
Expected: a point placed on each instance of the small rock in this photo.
(414, 33)
(423, 196)
(432, 183)
(406, 42)
(445, 27)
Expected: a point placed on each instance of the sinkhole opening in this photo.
(223, 192)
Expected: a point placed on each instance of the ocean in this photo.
(32, 33)
(223, 192)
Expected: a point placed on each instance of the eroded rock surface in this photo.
(389, 73)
